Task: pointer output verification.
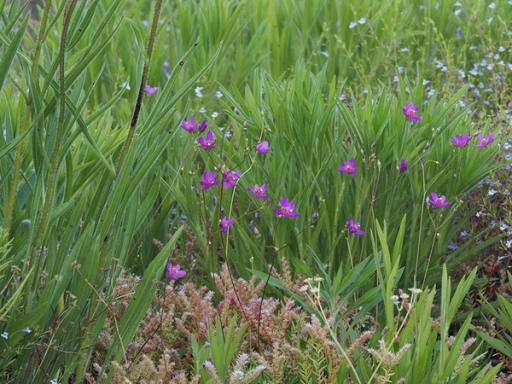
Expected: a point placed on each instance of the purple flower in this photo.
(202, 126)
(189, 125)
(355, 227)
(263, 147)
(230, 178)
(225, 223)
(150, 90)
(207, 142)
(403, 166)
(437, 201)
(286, 208)
(349, 167)
(174, 272)
(208, 180)
(484, 141)
(259, 191)
(460, 141)
(410, 111)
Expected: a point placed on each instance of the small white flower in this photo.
(26, 330)
(426, 82)
(4, 335)
(202, 110)
(489, 20)
(458, 4)
(324, 53)
(501, 49)
(54, 381)
(492, 5)
(352, 25)
(361, 21)
(198, 91)
(404, 50)
(508, 243)
(457, 12)
(215, 114)
(126, 85)
(218, 94)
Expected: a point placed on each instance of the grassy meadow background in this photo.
(100, 190)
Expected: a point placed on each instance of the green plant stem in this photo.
(54, 160)
(140, 96)
(20, 149)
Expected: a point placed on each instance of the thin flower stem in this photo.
(393, 339)
(140, 96)
(21, 148)
(335, 339)
(226, 245)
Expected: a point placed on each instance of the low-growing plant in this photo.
(188, 334)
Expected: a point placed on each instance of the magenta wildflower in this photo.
(208, 180)
(460, 141)
(410, 111)
(349, 167)
(259, 191)
(403, 166)
(263, 147)
(225, 223)
(230, 178)
(286, 208)
(438, 201)
(484, 141)
(355, 227)
(202, 126)
(207, 142)
(174, 272)
(189, 125)
(150, 90)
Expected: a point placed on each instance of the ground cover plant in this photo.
(228, 191)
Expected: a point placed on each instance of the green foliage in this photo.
(220, 353)
(77, 208)
(501, 310)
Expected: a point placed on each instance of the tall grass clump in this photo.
(79, 184)
(311, 132)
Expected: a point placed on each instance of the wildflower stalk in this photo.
(54, 160)
(335, 339)
(20, 149)
(395, 337)
(226, 245)
(138, 103)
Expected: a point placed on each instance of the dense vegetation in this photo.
(224, 191)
